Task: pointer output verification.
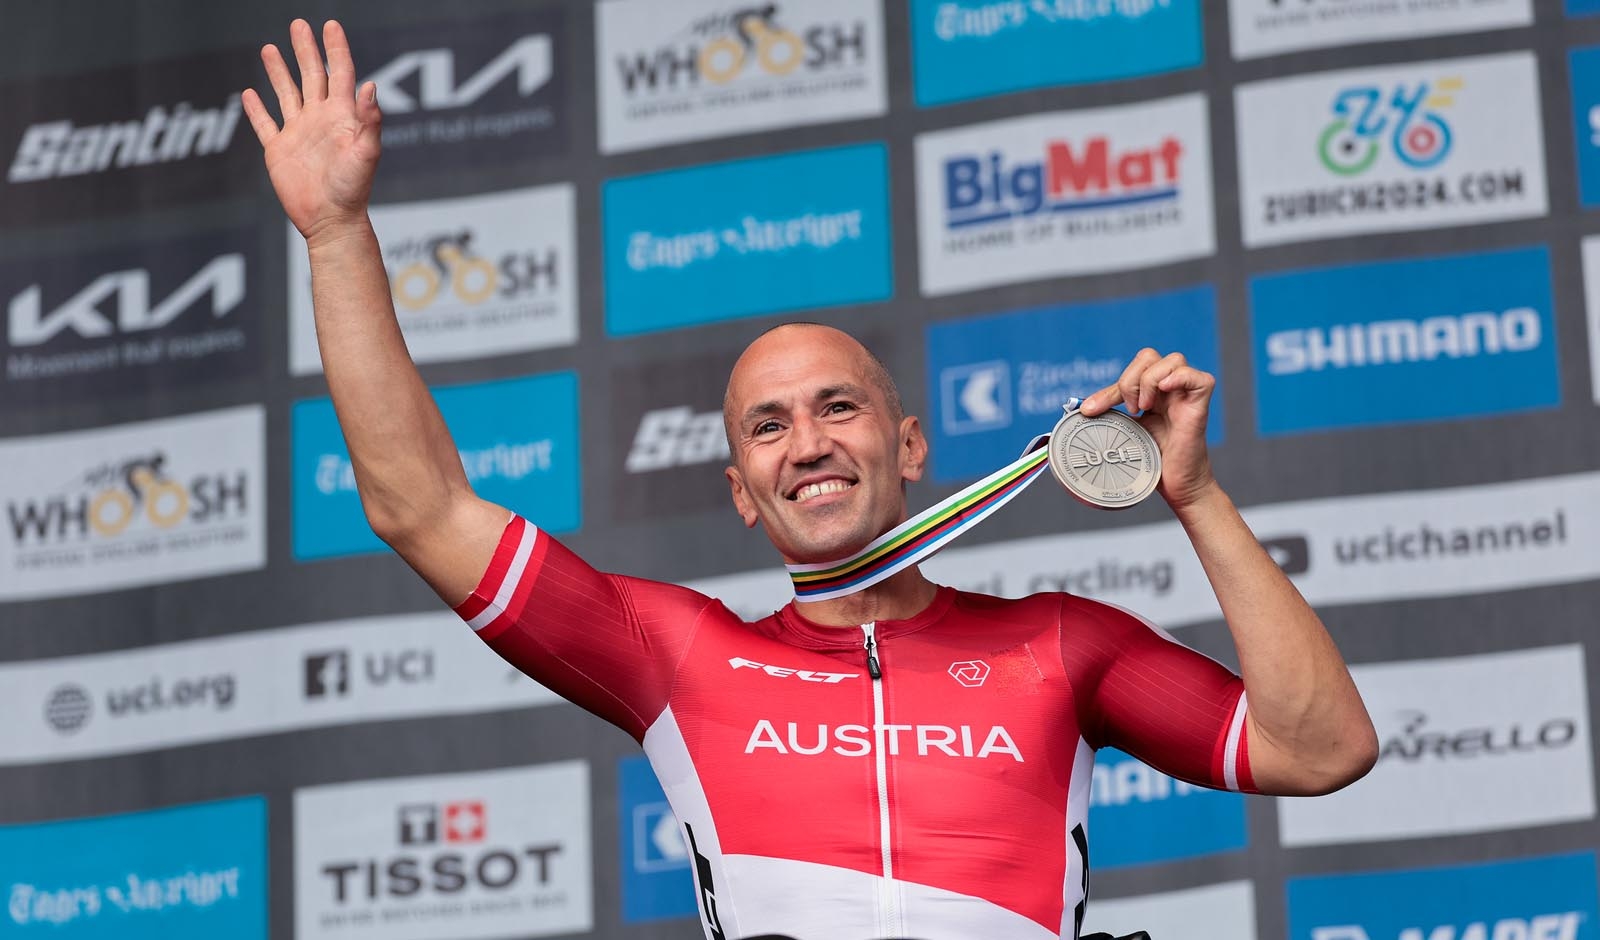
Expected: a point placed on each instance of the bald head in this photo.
(785, 343)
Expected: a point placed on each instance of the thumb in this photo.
(367, 111)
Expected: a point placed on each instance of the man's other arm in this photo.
(408, 471)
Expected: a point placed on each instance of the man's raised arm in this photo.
(408, 471)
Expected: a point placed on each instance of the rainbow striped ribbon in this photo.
(923, 534)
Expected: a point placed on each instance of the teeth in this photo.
(817, 489)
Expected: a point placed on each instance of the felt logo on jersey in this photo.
(857, 740)
(783, 672)
(970, 673)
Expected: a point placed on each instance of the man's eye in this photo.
(838, 407)
(766, 427)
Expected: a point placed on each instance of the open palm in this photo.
(323, 158)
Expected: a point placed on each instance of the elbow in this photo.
(1347, 762)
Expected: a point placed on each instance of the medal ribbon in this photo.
(925, 533)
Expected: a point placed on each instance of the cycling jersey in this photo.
(926, 777)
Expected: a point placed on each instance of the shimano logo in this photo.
(222, 280)
(1562, 926)
(858, 740)
(677, 437)
(1130, 781)
(434, 70)
(60, 148)
(805, 675)
(1353, 345)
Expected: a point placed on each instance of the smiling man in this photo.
(906, 760)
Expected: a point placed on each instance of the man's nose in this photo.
(808, 441)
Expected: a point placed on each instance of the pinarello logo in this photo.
(970, 673)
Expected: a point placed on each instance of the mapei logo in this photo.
(1558, 926)
(970, 673)
(130, 495)
(740, 42)
(1402, 119)
(445, 270)
(59, 148)
(221, 281)
(433, 74)
(976, 396)
(1091, 174)
(677, 437)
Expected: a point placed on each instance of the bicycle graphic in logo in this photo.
(1419, 136)
(448, 261)
(754, 33)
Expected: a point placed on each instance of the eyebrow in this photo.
(772, 407)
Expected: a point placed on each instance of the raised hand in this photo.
(1175, 399)
(323, 159)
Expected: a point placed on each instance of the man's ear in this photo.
(741, 498)
(913, 449)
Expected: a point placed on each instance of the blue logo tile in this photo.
(1585, 64)
(518, 440)
(1583, 7)
(1549, 897)
(1404, 341)
(997, 381)
(965, 49)
(657, 882)
(187, 873)
(1138, 815)
(746, 238)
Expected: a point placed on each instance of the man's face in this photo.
(819, 458)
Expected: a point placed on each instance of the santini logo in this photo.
(59, 148)
(1543, 927)
(804, 675)
(857, 740)
(677, 437)
(1353, 345)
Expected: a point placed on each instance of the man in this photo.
(904, 761)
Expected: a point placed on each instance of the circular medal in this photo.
(1109, 461)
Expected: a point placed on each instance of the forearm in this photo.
(1304, 707)
(407, 468)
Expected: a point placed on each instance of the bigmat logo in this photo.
(162, 314)
(135, 137)
(1400, 341)
(972, 48)
(1139, 815)
(1224, 911)
(1453, 759)
(1267, 27)
(458, 857)
(483, 275)
(995, 382)
(187, 873)
(673, 72)
(745, 238)
(144, 503)
(243, 685)
(1420, 145)
(469, 93)
(1545, 898)
(656, 879)
(1075, 192)
(518, 440)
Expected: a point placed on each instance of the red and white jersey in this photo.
(947, 798)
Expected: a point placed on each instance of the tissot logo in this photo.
(804, 675)
(464, 821)
(677, 437)
(333, 674)
(971, 673)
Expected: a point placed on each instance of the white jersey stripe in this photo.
(1230, 752)
(519, 564)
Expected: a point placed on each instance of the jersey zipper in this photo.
(888, 905)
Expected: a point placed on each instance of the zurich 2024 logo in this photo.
(1404, 119)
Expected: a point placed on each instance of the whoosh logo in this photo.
(136, 494)
(447, 268)
(736, 43)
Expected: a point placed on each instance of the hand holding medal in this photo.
(1110, 460)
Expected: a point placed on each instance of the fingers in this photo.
(367, 106)
(265, 127)
(341, 66)
(282, 84)
(1132, 384)
(1146, 379)
(313, 80)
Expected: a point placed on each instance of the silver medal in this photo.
(1109, 461)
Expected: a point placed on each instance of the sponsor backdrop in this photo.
(231, 712)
